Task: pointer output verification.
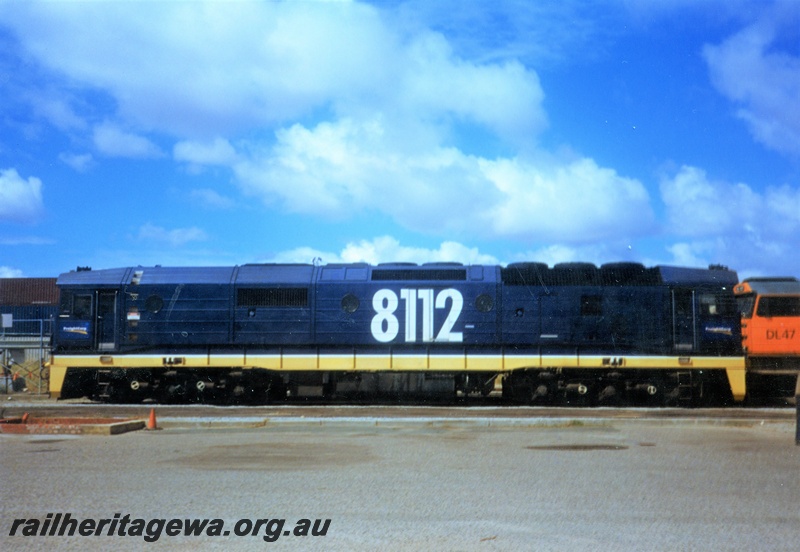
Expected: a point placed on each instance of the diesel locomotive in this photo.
(573, 333)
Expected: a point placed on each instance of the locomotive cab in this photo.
(770, 309)
(88, 313)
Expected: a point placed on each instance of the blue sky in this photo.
(191, 133)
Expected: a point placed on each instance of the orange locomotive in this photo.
(770, 310)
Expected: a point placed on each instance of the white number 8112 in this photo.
(385, 325)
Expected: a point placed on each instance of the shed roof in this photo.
(20, 292)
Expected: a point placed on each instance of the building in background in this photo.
(27, 309)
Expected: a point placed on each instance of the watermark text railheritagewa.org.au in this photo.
(150, 530)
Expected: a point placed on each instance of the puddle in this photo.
(278, 457)
(577, 447)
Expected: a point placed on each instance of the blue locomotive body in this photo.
(267, 330)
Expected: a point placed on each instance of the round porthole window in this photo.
(154, 304)
(350, 303)
(484, 302)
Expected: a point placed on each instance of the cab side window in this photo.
(712, 304)
(746, 304)
(778, 306)
(82, 306)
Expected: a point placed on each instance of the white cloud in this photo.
(20, 199)
(697, 206)
(331, 169)
(693, 253)
(505, 98)
(198, 70)
(305, 255)
(111, 140)
(79, 162)
(751, 69)
(386, 249)
(732, 223)
(402, 170)
(211, 198)
(393, 100)
(26, 240)
(175, 238)
(9, 272)
(575, 201)
(537, 32)
(216, 152)
(558, 253)
(57, 111)
(783, 206)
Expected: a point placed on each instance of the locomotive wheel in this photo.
(174, 393)
(117, 393)
(578, 393)
(138, 391)
(534, 389)
(542, 393)
(648, 393)
(199, 388)
(520, 388)
(609, 395)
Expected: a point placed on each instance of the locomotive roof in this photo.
(303, 274)
(614, 274)
(681, 275)
(106, 277)
(770, 286)
(219, 275)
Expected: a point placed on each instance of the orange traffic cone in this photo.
(151, 423)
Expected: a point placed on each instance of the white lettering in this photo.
(447, 333)
(410, 297)
(385, 326)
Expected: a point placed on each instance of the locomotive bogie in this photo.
(649, 388)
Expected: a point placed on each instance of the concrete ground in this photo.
(462, 482)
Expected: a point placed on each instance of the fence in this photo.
(24, 353)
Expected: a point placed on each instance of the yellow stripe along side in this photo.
(397, 362)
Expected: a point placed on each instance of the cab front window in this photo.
(746, 304)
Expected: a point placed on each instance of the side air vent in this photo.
(423, 274)
(272, 297)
